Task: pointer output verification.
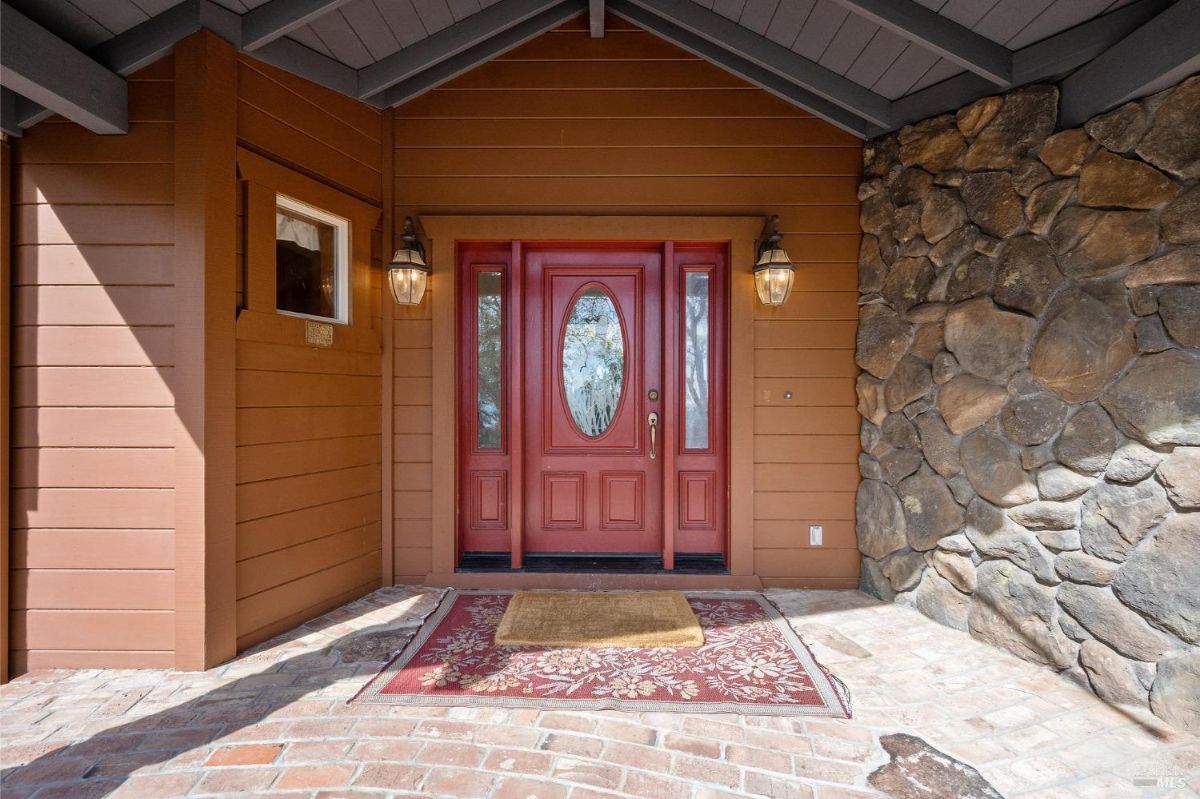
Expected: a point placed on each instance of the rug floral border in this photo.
(834, 694)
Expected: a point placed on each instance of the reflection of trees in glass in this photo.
(695, 372)
(593, 361)
(489, 371)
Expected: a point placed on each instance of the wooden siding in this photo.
(308, 420)
(629, 124)
(92, 464)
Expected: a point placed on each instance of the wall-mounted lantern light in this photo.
(773, 272)
(408, 274)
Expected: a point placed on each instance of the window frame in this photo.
(341, 259)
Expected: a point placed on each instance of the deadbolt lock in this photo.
(653, 395)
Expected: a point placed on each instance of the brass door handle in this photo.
(652, 419)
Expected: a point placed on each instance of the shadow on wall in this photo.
(93, 403)
(1030, 340)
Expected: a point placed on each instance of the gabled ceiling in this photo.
(867, 66)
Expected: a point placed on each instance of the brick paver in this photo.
(274, 722)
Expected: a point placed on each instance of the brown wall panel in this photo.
(308, 419)
(92, 500)
(629, 124)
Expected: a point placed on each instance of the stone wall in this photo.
(1030, 343)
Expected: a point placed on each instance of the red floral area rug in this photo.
(751, 662)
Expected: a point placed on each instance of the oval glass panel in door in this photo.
(593, 361)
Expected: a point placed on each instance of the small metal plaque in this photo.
(318, 334)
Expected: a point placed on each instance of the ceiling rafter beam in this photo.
(766, 54)
(763, 78)
(596, 18)
(1048, 59)
(49, 71)
(447, 43)
(481, 53)
(148, 41)
(1158, 54)
(277, 18)
(938, 34)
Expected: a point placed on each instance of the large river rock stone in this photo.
(871, 267)
(1180, 474)
(1132, 462)
(1079, 350)
(1109, 180)
(1064, 152)
(883, 338)
(911, 380)
(930, 512)
(1105, 617)
(958, 569)
(1024, 121)
(934, 144)
(968, 401)
(1161, 578)
(939, 600)
(1092, 243)
(1045, 202)
(1179, 307)
(1080, 567)
(1119, 130)
(908, 283)
(1111, 676)
(1177, 266)
(994, 535)
(987, 341)
(1132, 509)
(1011, 610)
(1059, 482)
(1175, 695)
(1156, 400)
(879, 520)
(942, 213)
(1181, 219)
(1046, 515)
(1027, 275)
(939, 444)
(1087, 441)
(1173, 141)
(993, 203)
(1033, 418)
(994, 468)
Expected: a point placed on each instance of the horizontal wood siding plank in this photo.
(109, 265)
(124, 386)
(93, 346)
(94, 630)
(125, 467)
(103, 589)
(633, 161)
(93, 549)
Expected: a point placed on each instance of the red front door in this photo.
(593, 399)
(593, 389)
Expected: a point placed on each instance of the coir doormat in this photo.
(751, 662)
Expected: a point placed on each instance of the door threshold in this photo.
(500, 563)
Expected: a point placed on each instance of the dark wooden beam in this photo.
(763, 78)
(481, 53)
(767, 55)
(1048, 59)
(940, 35)
(447, 43)
(596, 18)
(278, 18)
(42, 67)
(1159, 54)
(150, 40)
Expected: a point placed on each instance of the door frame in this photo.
(444, 232)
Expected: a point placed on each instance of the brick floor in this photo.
(274, 722)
